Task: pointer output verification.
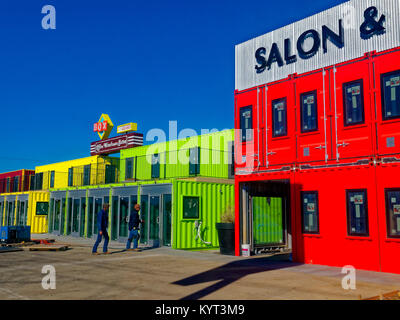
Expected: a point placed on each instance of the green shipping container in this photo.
(212, 198)
(267, 221)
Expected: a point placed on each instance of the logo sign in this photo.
(339, 34)
(129, 127)
(116, 144)
(103, 127)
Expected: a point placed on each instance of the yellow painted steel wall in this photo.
(38, 223)
(61, 170)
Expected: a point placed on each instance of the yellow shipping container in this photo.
(13, 212)
(72, 173)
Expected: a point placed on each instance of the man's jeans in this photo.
(133, 234)
(99, 237)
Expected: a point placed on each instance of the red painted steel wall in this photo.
(337, 157)
(23, 181)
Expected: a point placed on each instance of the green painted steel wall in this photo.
(214, 157)
(267, 220)
(214, 198)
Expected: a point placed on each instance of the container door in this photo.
(51, 215)
(353, 118)
(387, 81)
(280, 121)
(57, 216)
(144, 214)
(62, 217)
(98, 205)
(167, 219)
(154, 216)
(247, 121)
(82, 217)
(18, 213)
(124, 210)
(69, 220)
(115, 218)
(76, 207)
(90, 217)
(11, 213)
(1, 212)
(312, 145)
(267, 221)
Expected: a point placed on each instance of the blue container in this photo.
(14, 234)
(8, 234)
(24, 233)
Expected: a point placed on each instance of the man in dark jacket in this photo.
(134, 222)
(102, 224)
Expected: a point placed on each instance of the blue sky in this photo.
(139, 61)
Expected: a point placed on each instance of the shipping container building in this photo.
(318, 105)
(183, 187)
(16, 181)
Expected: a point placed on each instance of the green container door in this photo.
(114, 218)
(123, 217)
(154, 232)
(90, 218)
(156, 210)
(76, 216)
(51, 215)
(1, 212)
(167, 219)
(267, 221)
(144, 207)
(82, 218)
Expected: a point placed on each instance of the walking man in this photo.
(134, 222)
(102, 225)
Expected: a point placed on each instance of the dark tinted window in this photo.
(391, 95)
(246, 123)
(155, 166)
(279, 118)
(129, 168)
(194, 161)
(353, 103)
(86, 175)
(393, 212)
(70, 176)
(309, 113)
(52, 176)
(310, 212)
(357, 213)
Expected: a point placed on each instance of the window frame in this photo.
(194, 168)
(349, 232)
(284, 99)
(199, 207)
(129, 174)
(86, 167)
(42, 202)
(70, 177)
(315, 93)
(345, 122)
(52, 178)
(302, 211)
(244, 134)
(388, 233)
(383, 75)
(153, 176)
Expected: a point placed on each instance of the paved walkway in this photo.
(164, 273)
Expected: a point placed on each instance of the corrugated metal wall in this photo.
(174, 157)
(214, 198)
(267, 220)
(352, 15)
(39, 224)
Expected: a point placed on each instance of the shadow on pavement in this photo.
(232, 272)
